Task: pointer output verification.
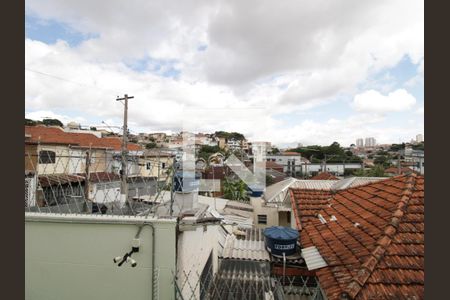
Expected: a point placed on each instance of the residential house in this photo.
(291, 161)
(392, 171)
(370, 238)
(60, 152)
(155, 163)
(324, 176)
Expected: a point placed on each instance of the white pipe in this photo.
(96, 219)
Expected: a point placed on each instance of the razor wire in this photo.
(84, 181)
(244, 280)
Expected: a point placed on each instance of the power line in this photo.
(68, 80)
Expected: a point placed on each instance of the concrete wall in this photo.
(194, 248)
(335, 168)
(71, 257)
(156, 169)
(62, 162)
(260, 209)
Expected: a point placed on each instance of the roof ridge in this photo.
(367, 268)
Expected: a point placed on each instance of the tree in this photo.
(150, 145)
(420, 146)
(29, 122)
(382, 160)
(377, 171)
(269, 180)
(275, 150)
(52, 122)
(230, 135)
(206, 151)
(397, 147)
(235, 190)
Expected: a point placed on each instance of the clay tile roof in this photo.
(394, 170)
(291, 153)
(59, 179)
(375, 247)
(324, 176)
(307, 203)
(100, 177)
(273, 165)
(56, 135)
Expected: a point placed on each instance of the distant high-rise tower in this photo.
(419, 138)
(370, 142)
(359, 143)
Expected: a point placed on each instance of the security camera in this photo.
(117, 259)
(131, 261)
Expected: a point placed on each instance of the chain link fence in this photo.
(244, 280)
(66, 180)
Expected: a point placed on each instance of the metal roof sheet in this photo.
(312, 258)
(244, 249)
(354, 182)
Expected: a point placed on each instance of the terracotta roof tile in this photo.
(55, 135)
(324, 176)
(375, 248)
(394, 170)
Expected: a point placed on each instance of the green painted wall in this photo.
(75, 260)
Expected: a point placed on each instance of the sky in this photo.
(289, 72)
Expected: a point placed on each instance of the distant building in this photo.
(291, 161)
(419, 138)
(266, 146)
(370, 142)
(360, 143)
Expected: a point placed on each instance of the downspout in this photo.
(153, 253)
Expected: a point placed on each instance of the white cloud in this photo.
(420, 110)
(345, 131)
(418, 78)
(375, 102)
(279, 57)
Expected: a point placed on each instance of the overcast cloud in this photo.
(280, 57)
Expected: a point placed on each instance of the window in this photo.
(288, 217)
(148, 166)
(262, 219)
(163, 165)
(47, 157)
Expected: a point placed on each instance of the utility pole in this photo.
(87, 175)
(124, 175)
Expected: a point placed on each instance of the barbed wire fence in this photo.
(70, 180)
(244, 280)
(88, 181)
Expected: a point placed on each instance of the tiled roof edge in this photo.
(296, 216)
(358, 281)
